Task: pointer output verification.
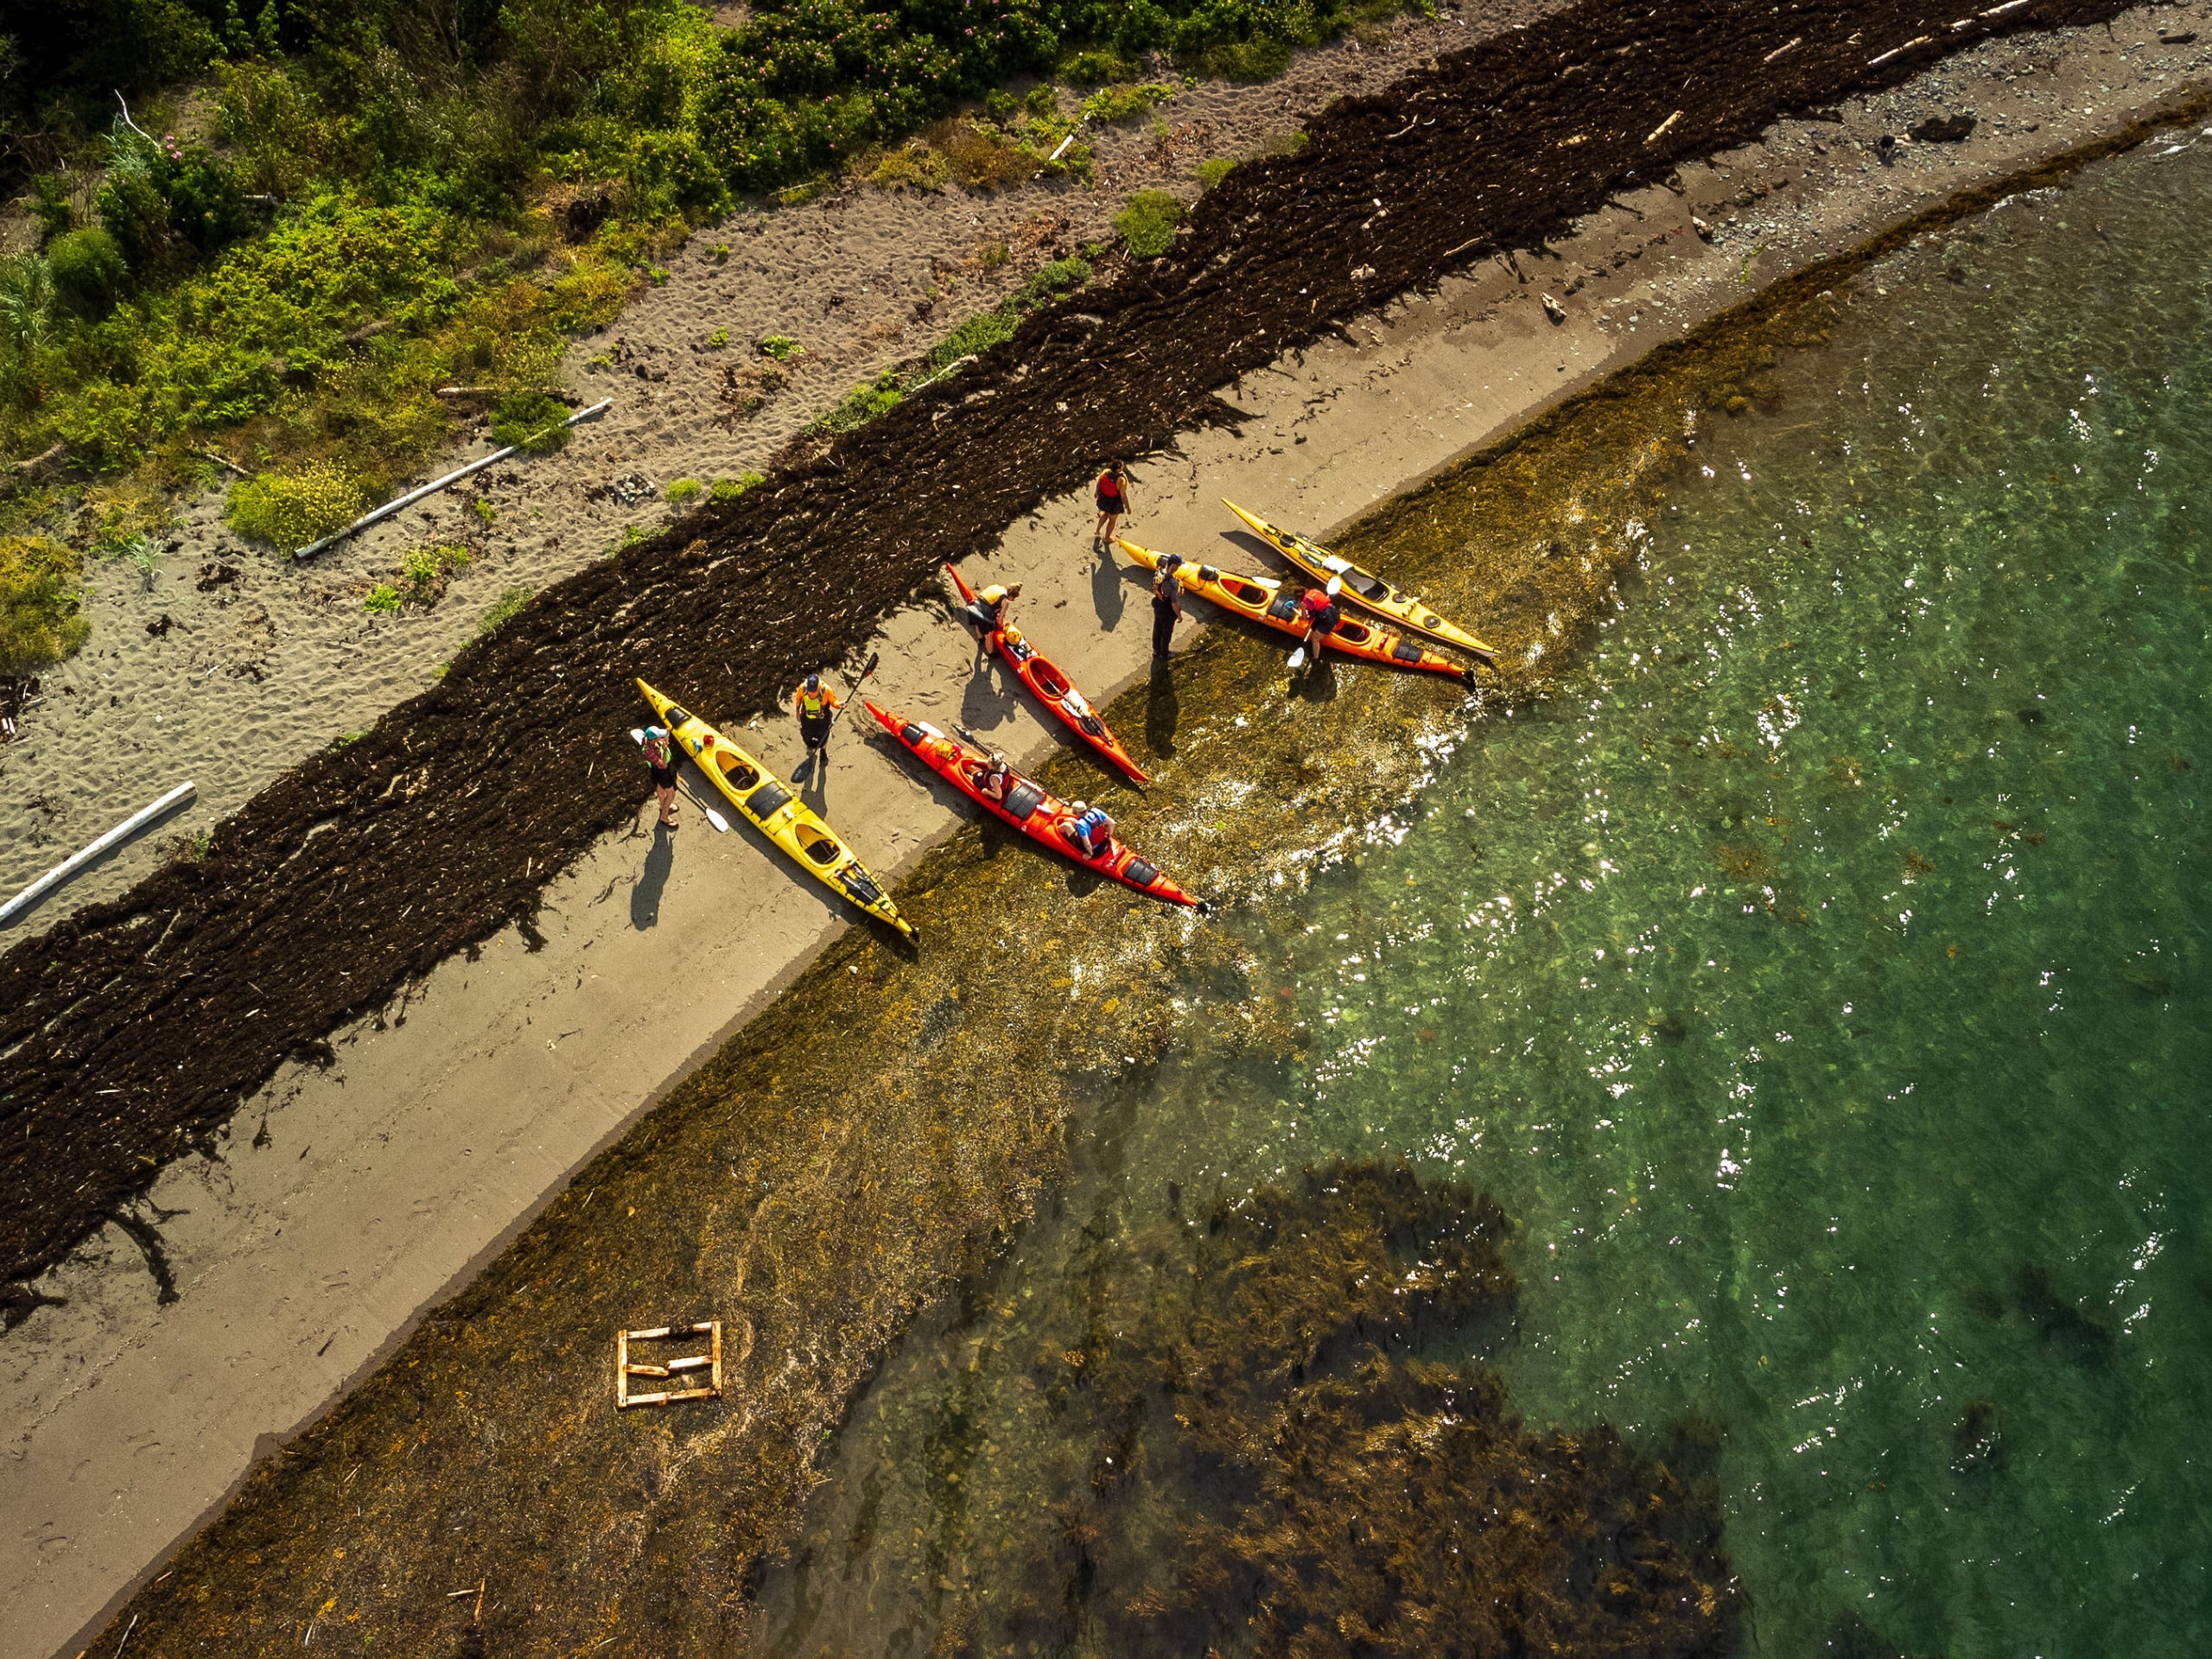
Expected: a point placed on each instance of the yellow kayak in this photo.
(1363, 588)
(777, 811)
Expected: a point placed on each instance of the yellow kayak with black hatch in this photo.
(775, 810)
(1363, 588)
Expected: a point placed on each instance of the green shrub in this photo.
(52, 206)
(1097, 67)
(39, 623)
(782, 347)
(1043, 102)
(1249, 62)
(1147, 223)
(912, 166)
(728, 489)
(288, 511)
(1113, 104)
(862, 404)
(88, 269)
(531, 420)
(26, 324)
(719, 339)
(383, 598)
(1212, 172)
(683, 490)
(505, 608)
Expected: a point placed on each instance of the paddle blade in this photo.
(1335, 586)
(721, 824)
(869, 667)
(1298, 658)
(636, 735)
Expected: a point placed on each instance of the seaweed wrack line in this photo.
(128, 990)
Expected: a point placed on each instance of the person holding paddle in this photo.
(816, 704)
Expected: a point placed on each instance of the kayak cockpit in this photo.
(739, 775)
(819, 846)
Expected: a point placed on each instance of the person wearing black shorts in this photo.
(1112, 501)
(660, 757)
(1166, 604)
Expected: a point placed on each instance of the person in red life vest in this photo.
(660, 756)
(1090, 830)
(995, 778)
(1322, 614)
(1113, 502)
(816, 704)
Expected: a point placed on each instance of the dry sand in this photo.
(234, 663)
(347, 1200)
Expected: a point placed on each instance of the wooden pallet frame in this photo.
(710, 1361)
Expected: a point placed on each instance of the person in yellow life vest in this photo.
(816, 707)
(989, 614)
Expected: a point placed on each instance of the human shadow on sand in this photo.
(646, 891)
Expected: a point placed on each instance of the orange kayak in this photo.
(1029, 807)
(1051, 686)
(1263, 599)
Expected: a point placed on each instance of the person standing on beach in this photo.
(660, 756)
(816, 704)
(1167, 605)
(1112, 501)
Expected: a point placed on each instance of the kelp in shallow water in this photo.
(1247, 1449)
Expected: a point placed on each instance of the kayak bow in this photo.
(1029, 807)
(1261, 599)
(1363, 588)
(1051, 686)
(776, 810)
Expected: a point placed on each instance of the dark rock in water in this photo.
(1175, 1198)
(2149, 983)
(2084, 1336)
(1671, 1027)
(2030, 716)
(1974, 1440)
(1943, 129)
(1985, 1301)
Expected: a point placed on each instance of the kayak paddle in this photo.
(721, 824)
(866, 669)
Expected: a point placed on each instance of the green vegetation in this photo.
(1110, 105)
(979, 333)
(504, 608)
(1147, 223)
(719, 339)
(1212, 172)
(286, 510)
(373, 200)
(728, 489)
(533, 421)
(384, 598)
(683, 490)
(782, 347)
(39, 624)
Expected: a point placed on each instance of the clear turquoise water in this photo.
(1820, 979)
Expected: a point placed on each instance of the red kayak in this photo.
(1053, 688)
(1029, 807)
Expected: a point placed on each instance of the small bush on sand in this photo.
(912, 166)
(505, 608)
(1211, 173)
(728, 489)
(1246, 62)
(1110, 105)
(384, 599)
(684, 491)
(39, 624)
(1147, 223)
(532, 420)
(290, 509)
(1097, 67)
(782, 347)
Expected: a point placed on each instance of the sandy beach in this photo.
(348, 1199)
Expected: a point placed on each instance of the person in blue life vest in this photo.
(660, 757)
(1090, 831)
(816, 704)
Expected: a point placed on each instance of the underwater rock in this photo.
(2083, 1337)
(1262, 1459)
(2028, 717)
(1974, 1440)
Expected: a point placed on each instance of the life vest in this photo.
(1109, 485)
(813, 705)
(658, 752)
(1093, 826)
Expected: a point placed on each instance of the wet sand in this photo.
(142, 1415)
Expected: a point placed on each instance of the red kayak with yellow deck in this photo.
(1043, 678)
(1028, 806)
(1263, 599)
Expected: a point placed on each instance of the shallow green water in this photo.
(1820, 979)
